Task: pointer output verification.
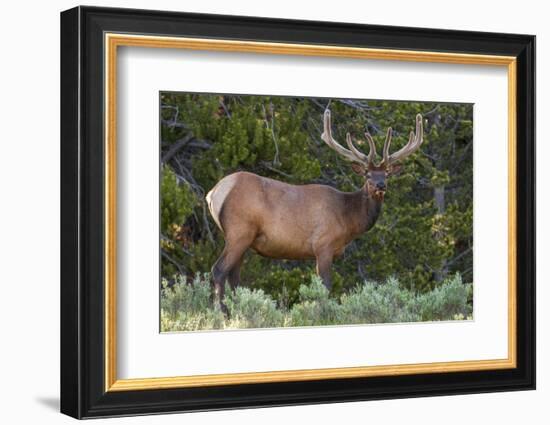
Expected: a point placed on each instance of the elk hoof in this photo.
(224, 309)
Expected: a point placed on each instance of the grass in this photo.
(187, 305)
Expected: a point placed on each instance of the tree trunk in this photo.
(439, 198)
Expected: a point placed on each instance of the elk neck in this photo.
(363, 210)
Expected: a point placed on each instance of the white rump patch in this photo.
(216, 197)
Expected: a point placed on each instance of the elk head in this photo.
(365, 165)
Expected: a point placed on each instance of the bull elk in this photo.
(295, 222)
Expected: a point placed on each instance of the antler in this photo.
(351, 154)
(415, 140)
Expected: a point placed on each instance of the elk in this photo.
(297, 222)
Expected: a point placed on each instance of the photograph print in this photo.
(293, 211)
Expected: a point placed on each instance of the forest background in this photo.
(422, 239)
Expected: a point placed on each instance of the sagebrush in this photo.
(186, 305)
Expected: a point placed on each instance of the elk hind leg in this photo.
(234, 276)
(227, 266)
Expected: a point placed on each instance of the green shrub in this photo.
(252, 309)
(187, 305)
(446, 301)
(177, 201)
(373, 303)
(315, 307)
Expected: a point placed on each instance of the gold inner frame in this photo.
(113, 41)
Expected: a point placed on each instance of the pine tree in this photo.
(424, 234)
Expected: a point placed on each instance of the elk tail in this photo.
(213, 211)
(215, 199)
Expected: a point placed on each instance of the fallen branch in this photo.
(179, 144)
(171, 260)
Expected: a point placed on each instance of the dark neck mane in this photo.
(363, 210)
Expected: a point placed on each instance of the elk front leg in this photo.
(324, 265)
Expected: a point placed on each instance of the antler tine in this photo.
(329, 140)
(366, 159)
(387, 143)
(372, 147)
(415, 141)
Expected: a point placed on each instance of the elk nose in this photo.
(381, 186)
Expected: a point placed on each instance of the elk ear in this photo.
(358, 169)
(394, 169)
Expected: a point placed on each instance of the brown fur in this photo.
(280, 220)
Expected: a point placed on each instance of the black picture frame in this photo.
(83, 392)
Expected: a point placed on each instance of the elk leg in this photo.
(235, 274)
(324, 264)
(230, 258)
